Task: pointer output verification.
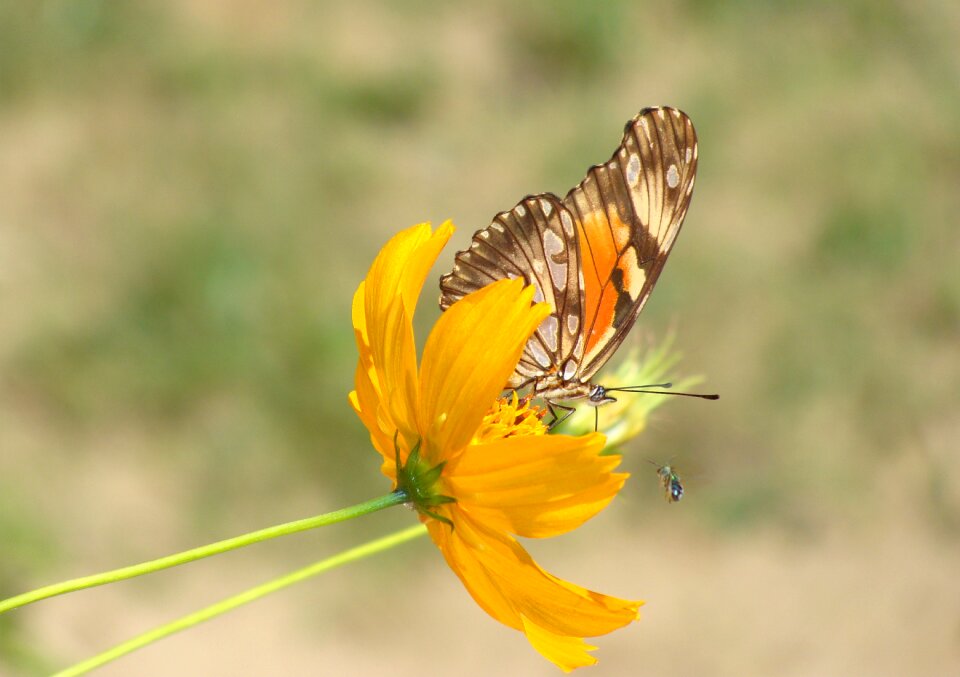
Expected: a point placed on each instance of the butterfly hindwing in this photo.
(628, 212)
(536, 240)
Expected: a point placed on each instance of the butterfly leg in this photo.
(557, 420)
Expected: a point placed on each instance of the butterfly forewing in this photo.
(628, 212)
(536, 241)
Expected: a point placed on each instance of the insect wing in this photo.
(629, 211)
(536, 241)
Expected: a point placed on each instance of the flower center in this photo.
(511, 416)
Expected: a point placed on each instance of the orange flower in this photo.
(479, 469)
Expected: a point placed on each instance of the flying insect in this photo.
(670, 481)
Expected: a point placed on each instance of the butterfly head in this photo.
(598, 396)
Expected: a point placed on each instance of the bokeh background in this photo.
(190, 192)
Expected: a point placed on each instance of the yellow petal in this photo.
(404, 262)
(470, 354)
(418, 267)
(389, 296)
(535, 486)
(505, 581)
(366, 397)
(359, 317)
(365, 400)
(567, 653)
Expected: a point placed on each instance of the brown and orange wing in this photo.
(536, 241)
(628, 213)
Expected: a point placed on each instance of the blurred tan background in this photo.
(190, 192)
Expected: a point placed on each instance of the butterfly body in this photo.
(593, 255)
(553, 387)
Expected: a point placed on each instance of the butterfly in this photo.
(594, 255)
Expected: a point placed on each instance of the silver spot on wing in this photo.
(538, 354)
(633, 170)
(578, 348)
(548, 330)
(553, 245)
(567, 221)
(673, 176)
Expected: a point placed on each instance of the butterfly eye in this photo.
(599, 396)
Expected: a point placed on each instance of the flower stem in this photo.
(132, 571)
(250, 595)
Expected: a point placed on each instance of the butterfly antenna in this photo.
(645, 389)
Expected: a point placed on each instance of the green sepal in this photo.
(439, 518)
(418, 481)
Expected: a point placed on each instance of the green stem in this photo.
(124, 573)
(250, 595)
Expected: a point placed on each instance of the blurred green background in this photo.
(190, 192)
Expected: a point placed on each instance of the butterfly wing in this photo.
(628, 213)
(536, 241)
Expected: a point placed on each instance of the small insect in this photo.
(670, 481)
